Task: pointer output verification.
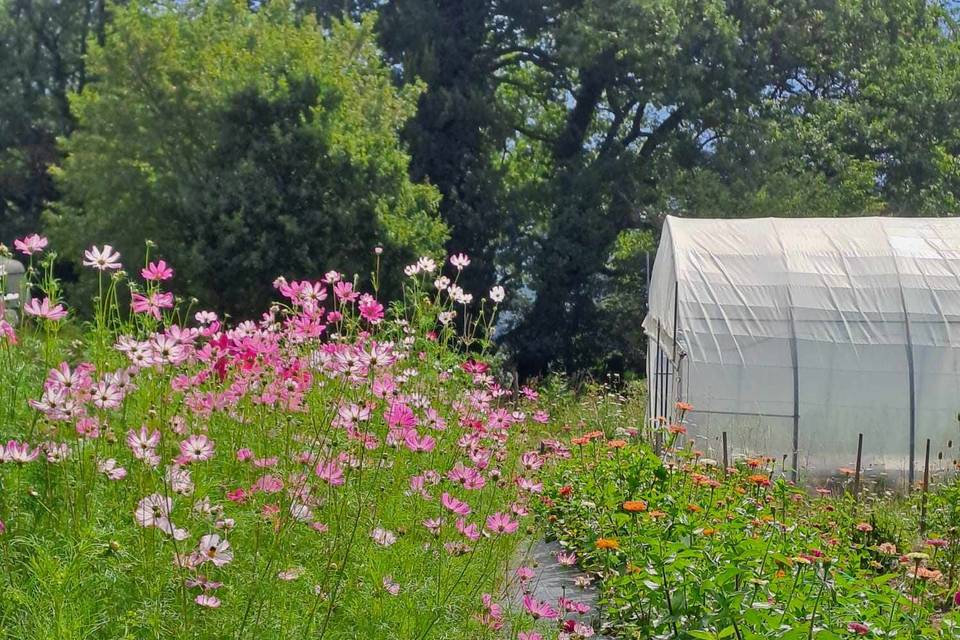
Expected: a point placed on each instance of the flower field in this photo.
(334, 469)
(339, 468)
(684, 548)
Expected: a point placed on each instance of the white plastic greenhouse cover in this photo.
(795, 335)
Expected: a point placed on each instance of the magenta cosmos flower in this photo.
(45, 309)
(500, 523)
(156, 271)
(102, 259)
(30, 244)
(459, 507)
(539, 609)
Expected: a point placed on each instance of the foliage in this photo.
(246, 144)
(687, 549)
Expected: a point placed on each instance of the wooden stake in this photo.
(926, 485)
(726, 463)
(856, 477)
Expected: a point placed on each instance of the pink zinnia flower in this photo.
(45, 309)
(459, 507)
(30, 244)
(157, 271)
(197, 448)
(501, 523)
(215, 549)
(102, 260)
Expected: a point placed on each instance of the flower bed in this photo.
(335, 469)
(687, 549)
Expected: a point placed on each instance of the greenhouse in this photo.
(795, 336)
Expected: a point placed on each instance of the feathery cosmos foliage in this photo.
(333, 469)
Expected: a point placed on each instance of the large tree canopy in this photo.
(554, 136)
(246, 144)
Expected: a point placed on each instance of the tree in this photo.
(42, 49)
(246, 145)
(636, 108)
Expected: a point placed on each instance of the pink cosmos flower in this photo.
(370, 309)
(205, 317)
(539, 609)
(106, 396)
(102, 260)
(525, 574)
(531, 460)
(143, 443)
(156, 271)
(244, 454)
(19, 452)
(30, 244)
(344, 291)
(566, 559)
(433, 525)
(390, 586)
(207, 600)
(215, 549)
(330, 472)
(7, 332)
(501, 523)
(453, 504)
(383, 537)
(419, 444)
(469, 531)
(196, 448)
(110, 469)
(88, 427)
(154, 511)
(460, 261)
(151, 303)
(497, 294)
(45, 309)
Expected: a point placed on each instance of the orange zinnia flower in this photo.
(657, 514)
(593, 434)
(634, 506)
(580, 441)
(608, 544)
(684, 406)
(692, 508)
(677, 428)
(709, 531)
(617, 444)
(760, 480)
